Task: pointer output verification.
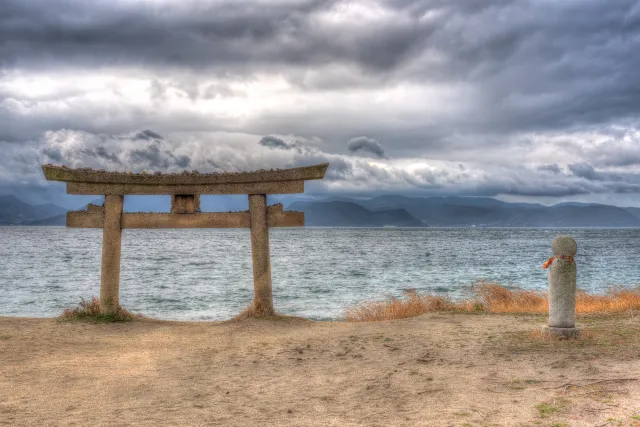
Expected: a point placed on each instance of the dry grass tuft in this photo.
(413, 305)
(490, 297)
(90, 310)
(496, 298)
(251, 312)
(616, 300)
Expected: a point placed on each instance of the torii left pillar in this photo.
(111, 250)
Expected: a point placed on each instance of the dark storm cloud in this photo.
(138, 151)
(551, 168)
(530, 66)
(339, 169)
(274, 142)
(100, 152)
(53, 154)
(362, 143)
(584, 170)
(191, 34)
(153, 157)
(619, 157)
(148, 135)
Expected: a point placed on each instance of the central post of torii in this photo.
(185, 190)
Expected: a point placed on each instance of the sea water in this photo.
(192, 274)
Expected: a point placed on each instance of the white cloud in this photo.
(218, 152)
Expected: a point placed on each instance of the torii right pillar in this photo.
(263, 296)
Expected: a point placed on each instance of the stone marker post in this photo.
(562, 288)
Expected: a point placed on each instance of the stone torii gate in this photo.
(185, 190)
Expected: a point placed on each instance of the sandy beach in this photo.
(438, 369)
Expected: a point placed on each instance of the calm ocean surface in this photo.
(317, 272)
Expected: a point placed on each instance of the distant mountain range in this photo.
(456, 211)
(390, 210)
(14, 211)
(348, 214)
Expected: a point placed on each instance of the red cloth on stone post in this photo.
(569, 258)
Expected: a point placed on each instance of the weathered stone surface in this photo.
(262, 299)
(195, 220)
(564, 246)
(111, 247)
(272, 187)
(275, 218)
(562, 284)
(62, 173)
(561, 332)
(85, 219)
(95, 208)
(185, 203)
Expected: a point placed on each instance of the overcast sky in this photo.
(520, 100)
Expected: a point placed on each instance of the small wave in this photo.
(199, 263)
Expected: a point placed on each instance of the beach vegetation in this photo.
(250, 312)
(545, 409)
(90, 310)
(491, 297)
